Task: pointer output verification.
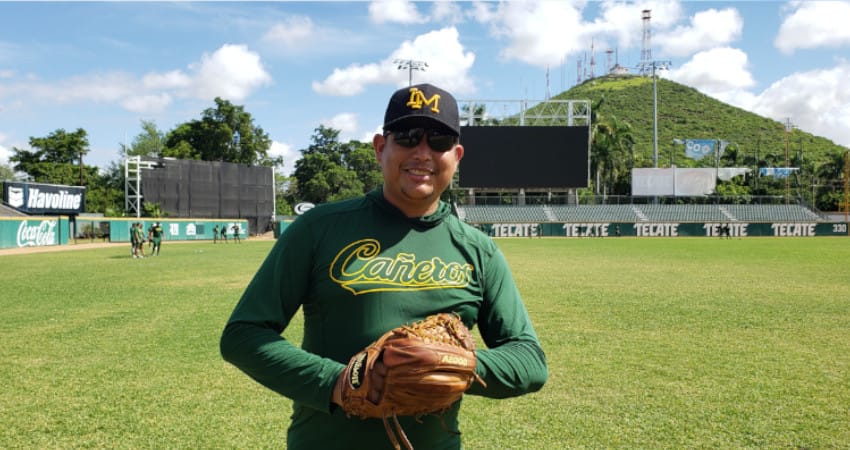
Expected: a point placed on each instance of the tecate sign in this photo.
(45, 198)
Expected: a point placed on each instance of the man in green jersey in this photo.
(360, 267)
(156, 237)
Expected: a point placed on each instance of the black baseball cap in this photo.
(422, 105)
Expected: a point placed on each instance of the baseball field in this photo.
(652, 344)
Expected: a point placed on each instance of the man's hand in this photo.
(376, 385)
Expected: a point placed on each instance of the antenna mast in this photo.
(592, 60)
(646, 50)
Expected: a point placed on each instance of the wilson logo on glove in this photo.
(355, 378)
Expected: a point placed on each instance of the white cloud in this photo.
(446, 12)
(368, 135)
(722, 73)
(538, 33)
(291, 33)
(817, 101)
(395, 11)
(815, 24)
(448, 67)
(5, 152)
(448, 63)
(289, 154)
(346, 123)
(353, 79)
(231, 72)
(147, 103)
(707, 29)
(106, 87)
(174, 79)
(624, 21)
(544, 33)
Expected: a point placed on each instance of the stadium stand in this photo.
(637, 213)
(772, 213)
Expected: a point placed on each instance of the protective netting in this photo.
(205, 189)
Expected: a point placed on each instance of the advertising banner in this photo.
(699, 148)
(33, 232)
(663, 229)
(777, 172)
(682, 182)
(37, 198)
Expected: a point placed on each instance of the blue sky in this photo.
(106, 66)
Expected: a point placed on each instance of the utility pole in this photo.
(410, 65)
(653, 66)
(847, 187)
(649, 66)
(788, 127)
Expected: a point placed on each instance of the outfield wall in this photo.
(663, 229)
(32, 231)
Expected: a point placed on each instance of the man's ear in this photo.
(459, 152)
(378, 143)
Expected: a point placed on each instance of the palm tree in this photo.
(831, 174)
(611, 143)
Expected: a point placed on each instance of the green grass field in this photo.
(652, 343)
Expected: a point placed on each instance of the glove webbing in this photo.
(398, 430)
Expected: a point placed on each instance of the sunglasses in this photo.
(437, 140)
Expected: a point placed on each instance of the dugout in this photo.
(208, 189)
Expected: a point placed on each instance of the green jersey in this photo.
(358, 268)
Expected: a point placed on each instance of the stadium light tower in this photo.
(652, 67)
(410, 65)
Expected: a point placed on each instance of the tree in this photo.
(284, 191)
(361, 159)
(6, 172)
(831, 174)
(610, 150)
(53, 157)
(150, 142)
(224, 133)
(331, 170)
(56, 159)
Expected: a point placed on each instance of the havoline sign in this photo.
(36, 198)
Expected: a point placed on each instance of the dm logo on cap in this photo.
(418, 99)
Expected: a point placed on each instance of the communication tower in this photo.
(592, 60)
(646, 50)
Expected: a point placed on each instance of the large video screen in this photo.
(525, 157)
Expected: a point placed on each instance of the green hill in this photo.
(754, 141)
(685, 113)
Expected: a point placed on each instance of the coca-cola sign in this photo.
(36, 198)
(37, 235)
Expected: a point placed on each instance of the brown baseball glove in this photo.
(429, 365)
